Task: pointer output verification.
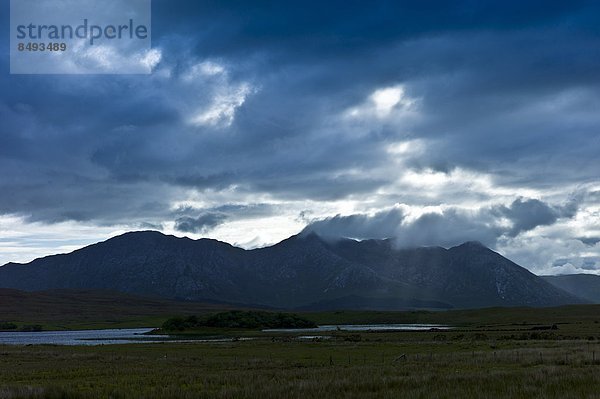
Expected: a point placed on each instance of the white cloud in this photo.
(409, 148)
(385, 100)
(203, 69)
(384, 103)
(23, 242)
(551, 255)
(209, 96)
(151, 58)
(105, 59)
(221, 111)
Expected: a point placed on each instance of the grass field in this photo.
(494, 353)
(371, 368)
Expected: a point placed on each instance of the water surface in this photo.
(364, 327)
(84, 337)
(136, 335)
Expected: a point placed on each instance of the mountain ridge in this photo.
(302, 271)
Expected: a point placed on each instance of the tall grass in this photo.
(374, 367)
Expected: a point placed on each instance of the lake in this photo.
(84, 337)
(363, 327)
(136, 335)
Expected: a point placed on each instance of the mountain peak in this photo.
(304, 237)
(141, 234)
(472, 245)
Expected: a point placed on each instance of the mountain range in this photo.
(302, 272)
(586, 286)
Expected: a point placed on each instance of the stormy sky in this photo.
(434, 122)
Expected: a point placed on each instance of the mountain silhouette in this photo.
(303, 272)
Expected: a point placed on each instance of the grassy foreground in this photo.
(367, 365)
(493, 353)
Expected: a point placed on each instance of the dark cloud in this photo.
(200, 224)
(509, 90)
(461, 58)
(381, 225)
(589, 241)
(449, 227)
(312, 28)
(589, 264)
(527, 214)
(452, 227)
(188, 221)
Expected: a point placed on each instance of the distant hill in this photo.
(585, 286)
(91, 307)
(304, 271)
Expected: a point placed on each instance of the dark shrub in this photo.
(32, 328)
(8, 326)
(239, 319)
